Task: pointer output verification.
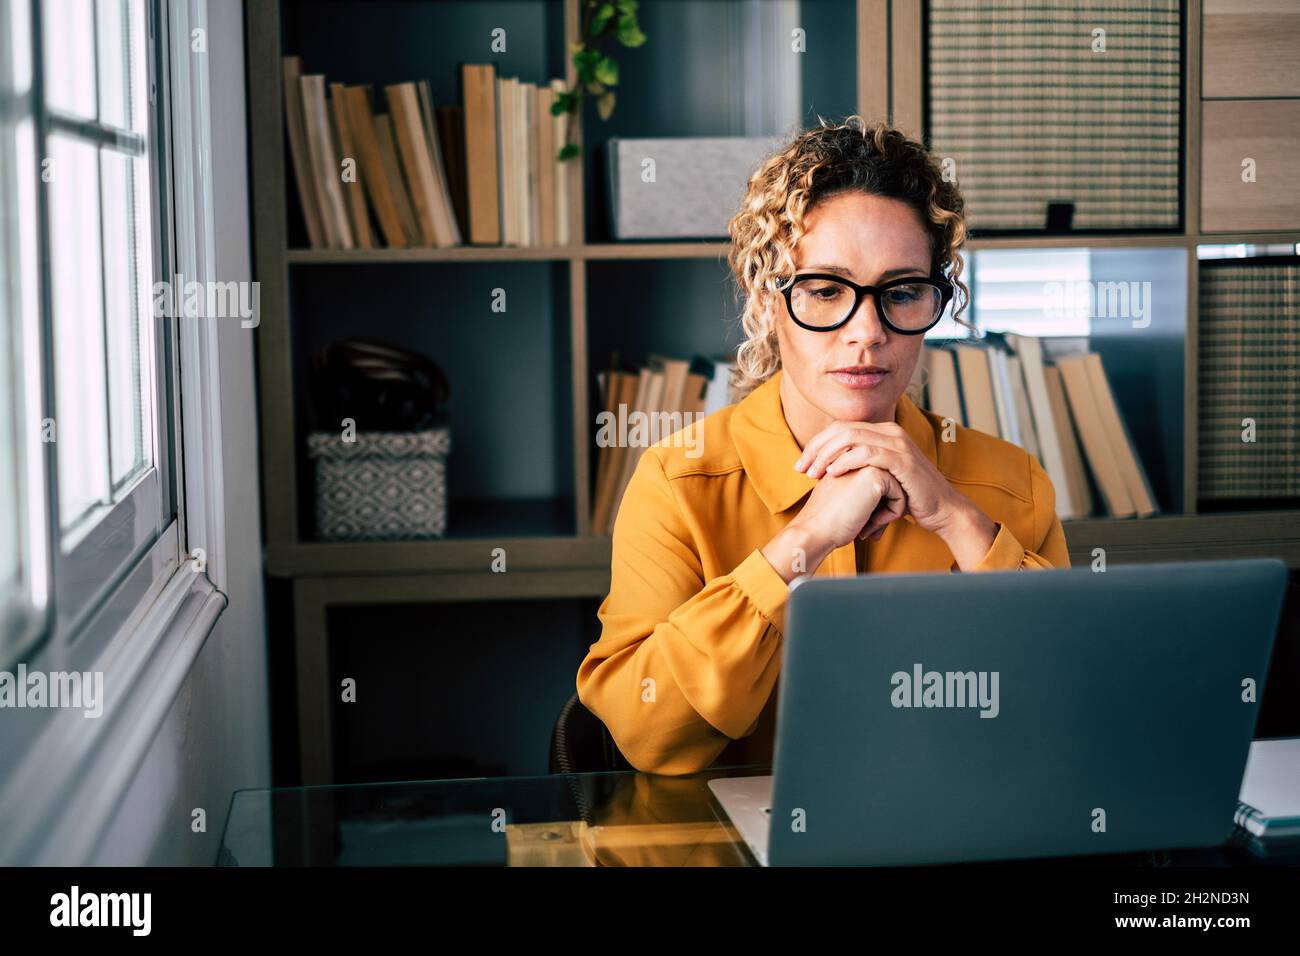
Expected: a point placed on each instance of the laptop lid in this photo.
(930, 718)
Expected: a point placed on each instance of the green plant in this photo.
(603, 23)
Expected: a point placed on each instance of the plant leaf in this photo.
(605, 105)
(595, 87)
(607, 71)
(600, 18)
(569, 151)
(629, 33)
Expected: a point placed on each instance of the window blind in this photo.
(1041, 102)
(1249, 352)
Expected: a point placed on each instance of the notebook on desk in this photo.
(1269, 806)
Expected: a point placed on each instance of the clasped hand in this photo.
(871, 474)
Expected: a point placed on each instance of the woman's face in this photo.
(868, 239)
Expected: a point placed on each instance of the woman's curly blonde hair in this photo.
(817, 164)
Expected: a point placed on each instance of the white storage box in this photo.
(696, 184)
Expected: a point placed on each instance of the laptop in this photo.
(940, 718)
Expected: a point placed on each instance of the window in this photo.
(86, 451)
(1024, 291)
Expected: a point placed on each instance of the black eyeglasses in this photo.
(911, 305)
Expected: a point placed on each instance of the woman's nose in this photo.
(864, 324)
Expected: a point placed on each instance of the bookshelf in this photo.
(527, 487)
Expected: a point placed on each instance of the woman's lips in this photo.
(859, 379)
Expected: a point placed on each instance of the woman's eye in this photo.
(904, 294)
(826, 292)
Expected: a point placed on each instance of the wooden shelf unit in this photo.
(888, 77)
(292, 554)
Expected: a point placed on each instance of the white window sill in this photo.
(58, 801)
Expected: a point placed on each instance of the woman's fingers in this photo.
(824, 448)
(837, 437)
(856, 456)
(891, 506)
(815, 444)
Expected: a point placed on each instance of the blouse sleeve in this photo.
(1046, 548)
(682, 666)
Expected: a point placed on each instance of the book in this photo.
(506, 162)
(1092, 432)
(976, 387)
(526, 144)
(353, 190)
(610, 384)
(649, 395)
(380, 187)
(1066, 436)
(451, 136)
(479, 99)
(627, 387)
(443, 190)
(943, 396)
(675, 372)
(1029, 350)
(387, 142)
(560, 127)
(1020, 398)
(544, 153)
(324, 162)
(1004, 399)
(1269, 802)
(413, 148)
(717, 393)
(1121, 442)
(308, 199)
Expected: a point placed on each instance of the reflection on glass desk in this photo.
(598, 819)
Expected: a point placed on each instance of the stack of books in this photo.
(418, 175)
(645, 405)
(1061, 410)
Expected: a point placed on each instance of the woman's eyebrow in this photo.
(840, 270)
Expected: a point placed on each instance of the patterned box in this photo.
(384, 486)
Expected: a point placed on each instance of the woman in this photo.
(846, 251)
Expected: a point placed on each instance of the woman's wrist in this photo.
(796, 549)
(968, 533)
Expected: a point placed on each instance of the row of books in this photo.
(665, 390)
(1060, 409)
(420, 175)
(517, 191)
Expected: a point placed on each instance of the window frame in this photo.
(136, 541)
(61, 775)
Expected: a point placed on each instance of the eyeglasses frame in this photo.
(938, 281)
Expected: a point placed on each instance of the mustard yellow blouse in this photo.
(685, 671)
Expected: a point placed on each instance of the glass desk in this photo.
(599, 819)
